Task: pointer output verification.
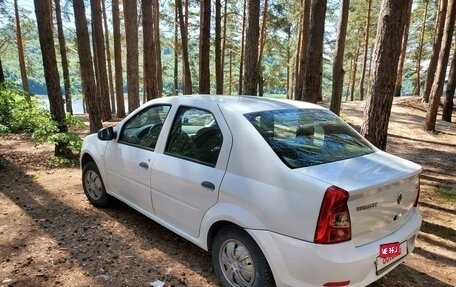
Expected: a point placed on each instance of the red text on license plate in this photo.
(390, 250)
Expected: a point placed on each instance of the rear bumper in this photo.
(300, 263)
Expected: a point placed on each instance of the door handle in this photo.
(208, 184)
(143, 165)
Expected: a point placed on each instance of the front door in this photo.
(186, 178)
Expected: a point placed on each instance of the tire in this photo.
(94, 187)
(252, 270)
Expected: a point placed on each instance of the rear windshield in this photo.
(306, 137)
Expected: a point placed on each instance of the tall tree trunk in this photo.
(218, 48)
(297, 54)
(251, 49)
(400, 69)
(231, 73)
(99, 51)
(108, 57)
(157, 44)
(303, 47)
(347, 92)
(2, 75)
(261, 49)
(449, 92)
(392, 19)
(120, 103)
(176, 51)
(338, 66)
(437, 85)
(353, 75)
(314, 58)
(51, 73)
(187, 83)
(417, 84)
(131, 31)
(204, 47)
(63, 55)
(366, 48)
(242, 54)
(149, 53)
(86, 65)
(440, 24)
(20, 50)
(222, 70)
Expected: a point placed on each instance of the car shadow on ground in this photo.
(405, 276)
(90, 239)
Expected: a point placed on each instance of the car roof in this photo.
(240, 104)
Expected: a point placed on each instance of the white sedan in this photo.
(283, 193)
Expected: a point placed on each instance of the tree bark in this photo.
(223, 54)
(204, 47)
(2, 75)
(20, 50)
(176, 51)
(439, 79)
(157, 44)
(242, 54)
(400, 69)
(51, 73)
(149, 53)
(449, 92)
(187, 83)
(440, 25)
(417, 84)
(353, 75)
(218, 48)
(63, 55)
(100, 59)
(131, 31)
(86, 65)
(314, 58)
(120, 103)
(392, 19)
(338, 66)
(261, 50)
(108, 58)
(251, 49)
(366, 48)
(303, 47)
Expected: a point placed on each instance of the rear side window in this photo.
(307, 137)
(195, 136)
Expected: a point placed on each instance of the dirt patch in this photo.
(51, 236)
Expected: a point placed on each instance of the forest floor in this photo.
(51, 236)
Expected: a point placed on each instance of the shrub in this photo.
(17, 114)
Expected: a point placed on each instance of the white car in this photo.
(283, 193)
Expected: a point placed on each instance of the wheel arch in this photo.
(85, 158)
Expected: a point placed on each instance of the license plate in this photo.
(392, 254)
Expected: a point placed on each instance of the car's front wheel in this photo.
(238, 261)
(93, 186)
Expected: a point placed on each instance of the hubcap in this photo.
(237, 264)
(93, 185)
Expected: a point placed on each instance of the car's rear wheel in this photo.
(93, 186)
(238, 261)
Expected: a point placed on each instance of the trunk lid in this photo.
(382, 191)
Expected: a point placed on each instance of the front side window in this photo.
(195, 136)
(306, 137)
(144, 128)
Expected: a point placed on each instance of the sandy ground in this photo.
(51, 236)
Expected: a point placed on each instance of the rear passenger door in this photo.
(185, 179)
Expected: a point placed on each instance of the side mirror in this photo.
(107, 134)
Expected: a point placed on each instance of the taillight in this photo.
(334, 220)
(418, 189)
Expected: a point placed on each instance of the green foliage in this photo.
(17, 114)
